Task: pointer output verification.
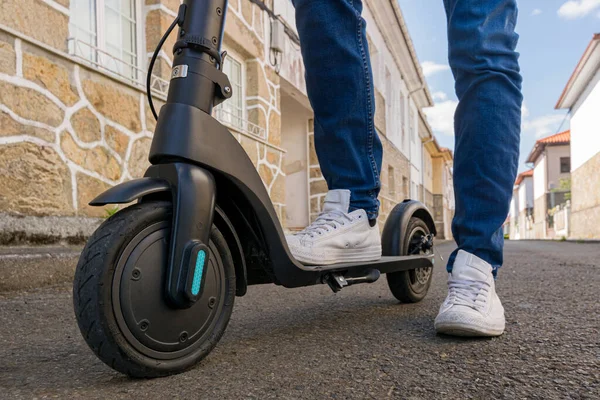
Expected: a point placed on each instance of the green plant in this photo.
(563, 239)
(109, 212)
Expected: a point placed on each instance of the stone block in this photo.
(114, 101)
(116, 140)
(7, 58)
(10, 127)
(34, 181)
(86, 125)
(97, 159)
(36, 19)
(87, 189)
(50, 75)
(30, 104)
(138, 160)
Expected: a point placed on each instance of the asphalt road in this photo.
(360, 343)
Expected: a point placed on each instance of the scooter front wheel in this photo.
(119, 296)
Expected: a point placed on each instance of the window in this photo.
(391, 181)
(105, 32)
(231, 111)
(411, 125)
(565, 164)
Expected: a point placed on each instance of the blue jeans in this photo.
(482, 42)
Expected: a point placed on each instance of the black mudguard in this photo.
(137, 189)
(392, 239)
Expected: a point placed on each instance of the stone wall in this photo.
(585, 200)
(69, 131)
(66, 132)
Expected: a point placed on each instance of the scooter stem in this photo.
(197, 56)
(197, 83)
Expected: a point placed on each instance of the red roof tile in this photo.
(522, 176)
(562, 138)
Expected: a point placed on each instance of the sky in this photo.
(553, 36)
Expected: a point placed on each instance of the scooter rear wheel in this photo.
(119, 296)
(412, 286)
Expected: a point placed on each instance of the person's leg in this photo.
(482, 42)
(339, 83)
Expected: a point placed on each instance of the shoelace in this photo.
(325, 222)
(466, 292)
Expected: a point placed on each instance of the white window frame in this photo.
(100, 44)
(233, 56)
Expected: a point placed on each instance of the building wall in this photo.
(585, 163)
(585, 200)
(427, 179)
(69, 131)
(539, 196)
(585, 125)
(449, 204)
(553, 156)
(540, 212)
(526, 194)
(513, 215)
(294, 134)
(539, 177)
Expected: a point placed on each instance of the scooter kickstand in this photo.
(337, 281)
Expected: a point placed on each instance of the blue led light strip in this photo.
(198, 271)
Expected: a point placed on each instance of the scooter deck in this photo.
(384, 264)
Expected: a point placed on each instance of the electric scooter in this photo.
(155, 284)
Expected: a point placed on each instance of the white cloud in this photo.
(574, 9)
(431, 67)
(524, 111)
(441, 119)
(439, 96)
(541, 126)
(535, 12)
(441, 116)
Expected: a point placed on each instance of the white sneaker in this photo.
(337, 236)
(472, 307)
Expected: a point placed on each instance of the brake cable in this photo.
(177, 21)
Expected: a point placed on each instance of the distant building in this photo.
(582, 97)
(521, 207)
(551, 158)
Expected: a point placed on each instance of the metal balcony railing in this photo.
(110, 64)
(234, 121)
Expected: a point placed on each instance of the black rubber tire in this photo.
(401, 283)
(93, 303)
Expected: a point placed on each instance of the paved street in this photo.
(359, 343)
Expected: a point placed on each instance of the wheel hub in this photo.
(147, 321)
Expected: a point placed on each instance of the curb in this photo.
(24, 268)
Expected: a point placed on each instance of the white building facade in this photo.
(581, 97)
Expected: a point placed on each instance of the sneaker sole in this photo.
(339, 256)
(467, 330)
